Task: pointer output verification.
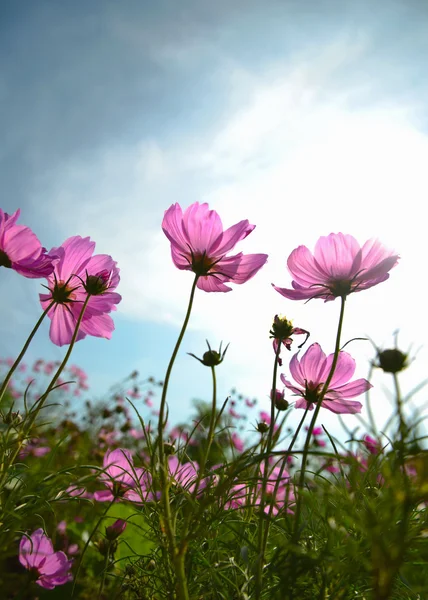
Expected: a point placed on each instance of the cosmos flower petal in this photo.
(354, 388)
(341, 408)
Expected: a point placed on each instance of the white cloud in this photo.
(299, 160)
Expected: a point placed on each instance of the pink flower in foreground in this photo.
(21, 250)
(338, 267)
(310, 374)
(77, 273)
(36, 554)
(122, 479)
(199, 244)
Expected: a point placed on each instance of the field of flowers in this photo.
(113, 501)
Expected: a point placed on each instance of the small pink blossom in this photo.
(77, 273)
(338, 267)
(372, 445)
(122, 479)
(199, 244)
(284, 496)
(21, 250)
(311, 372)
(36, 554)
(185, 474)
(237, 442)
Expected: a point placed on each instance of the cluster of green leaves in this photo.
(363, 531)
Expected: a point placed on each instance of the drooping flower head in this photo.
(311, 372)
(21, 250)
(199, 244)
(338, 267)
(50, 568)
(281, 332)
(123, 479)
(77, 273)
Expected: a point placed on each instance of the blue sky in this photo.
(304, 117)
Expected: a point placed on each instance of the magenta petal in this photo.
(247, 267)
(313, 364)
(338, 255)
(228, 240)
(345, 369)
(62, 327)
(202, 227)
(303, 267)
(297, 294)
(212, 284)
(98, 326)
(354, 388)
(103, 496)
(342, 408)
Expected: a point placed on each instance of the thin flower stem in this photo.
(212, 425)
(177, 556)
(323, 392)
(103, 578)
(35, 410)
(40, 402)
(268, 448)
(281, 471)
(23, 351)
(88, 541)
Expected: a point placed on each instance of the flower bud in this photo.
(279, 400)
(97, 284)
(262, 427)
(282, 328)
(392, 360)
(115, 530)
(12, 418)
(211, 358)
(168, 448)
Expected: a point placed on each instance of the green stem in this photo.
(35, 410)
(88, 541)
(168, 372)
(323, 392)
(23, 351)
(103, 579)
(178, 557)
(268, 448)
(281, 471)
(212, 425)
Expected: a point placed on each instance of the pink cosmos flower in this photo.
(185, 474)
(310, 374)
(199, 244)
(77, 273)
(338, 267)
(36, 554)
(21, 250)
(122, 479)
(372, 445)
(284, 496)
(237, 441)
